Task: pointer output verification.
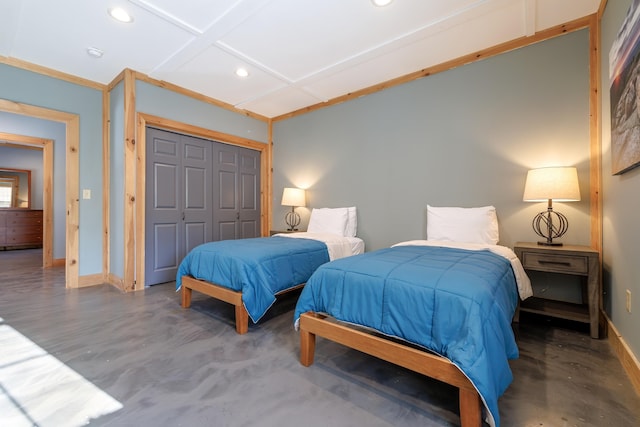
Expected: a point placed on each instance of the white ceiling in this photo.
(298, 52)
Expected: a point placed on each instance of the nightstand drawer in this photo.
(557, 263)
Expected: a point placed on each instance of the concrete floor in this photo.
(173, 367)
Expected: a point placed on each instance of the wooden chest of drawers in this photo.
(20, 228)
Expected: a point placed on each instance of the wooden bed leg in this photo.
(242, 320)
(470, 408)
(186, 297)
(307, 347)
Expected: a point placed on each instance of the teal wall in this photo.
(621, 204)
(465, 137)
(38, 90)
(167, 104)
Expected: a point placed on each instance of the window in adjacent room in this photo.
(8, 192)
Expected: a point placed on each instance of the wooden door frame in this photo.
(138, 181)
(46, 146)
(72, 192)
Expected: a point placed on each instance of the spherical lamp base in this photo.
(550, 225)
(293, 220)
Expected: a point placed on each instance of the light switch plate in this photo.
(86, 194)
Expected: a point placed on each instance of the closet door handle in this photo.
(183, 216)
(237, 215)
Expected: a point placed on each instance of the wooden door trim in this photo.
(72, 156)
(144, 120)
(46, 146)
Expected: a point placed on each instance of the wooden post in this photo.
(186, 297)
(470, 410)
(242, 319)
(307, 347)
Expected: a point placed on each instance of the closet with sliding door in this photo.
(197, 191)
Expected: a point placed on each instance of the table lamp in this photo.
(293, 197)
(549, 184)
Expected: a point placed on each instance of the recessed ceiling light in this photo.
(95, 52)
(119, 14)
(381, 3)
(242, 72)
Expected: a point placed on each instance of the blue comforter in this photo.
(457, 303)
(259, 267)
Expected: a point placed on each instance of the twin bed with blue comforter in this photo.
(250, 273)
(456, 303)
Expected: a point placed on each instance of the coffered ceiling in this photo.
(297, 52)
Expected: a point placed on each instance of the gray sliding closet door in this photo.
(237, 205)
(195, 189)
(178, 205)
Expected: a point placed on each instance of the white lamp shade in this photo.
(293, 197)
(557, 183)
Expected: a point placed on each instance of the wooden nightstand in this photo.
(567, 259)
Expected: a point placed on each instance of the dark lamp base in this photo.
(550, 243)
(544, 226)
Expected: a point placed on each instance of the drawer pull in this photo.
(563, 263)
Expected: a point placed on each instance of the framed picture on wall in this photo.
(624, 80)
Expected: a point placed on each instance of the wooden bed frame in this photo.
(312, 324)
(221, 293)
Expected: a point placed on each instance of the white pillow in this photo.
(352, 223)
(327, 220)
(467, 225)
